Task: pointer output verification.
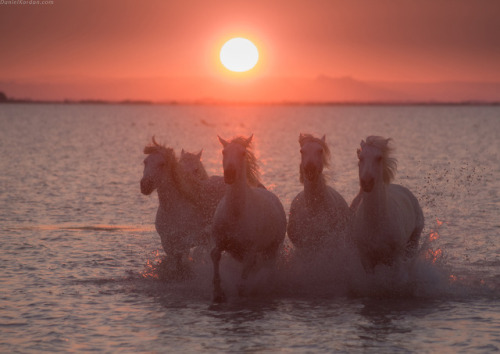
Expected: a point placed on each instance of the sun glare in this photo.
(239, 55)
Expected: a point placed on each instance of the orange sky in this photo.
(70, 49)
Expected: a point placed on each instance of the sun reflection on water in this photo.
(433, 255)
(152, 265)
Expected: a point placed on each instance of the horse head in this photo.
(375, 164)
(314, 156)
(192, 165)
(155, 166)
(234, 158)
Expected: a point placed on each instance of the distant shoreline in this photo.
(256, 103)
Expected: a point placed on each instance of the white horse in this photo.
(319, 213)
(186, 202)
(250, 222)
(388, 219)
(191, 163)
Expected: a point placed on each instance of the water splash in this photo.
(336, 272)
(152, 266)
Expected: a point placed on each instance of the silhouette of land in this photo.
(322, 90)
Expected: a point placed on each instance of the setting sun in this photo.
(239, 54)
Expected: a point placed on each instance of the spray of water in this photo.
(336, 272)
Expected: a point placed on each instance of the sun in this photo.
(239, 54)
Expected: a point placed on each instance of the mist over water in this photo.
(82, 264)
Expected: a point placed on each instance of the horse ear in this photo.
(249, 140)
(301, 139)
(198, 155)
(323, 139)
(362, 144)
(182, 152)
(222, 141)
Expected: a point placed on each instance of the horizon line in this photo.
(215, 102)
(211, 77)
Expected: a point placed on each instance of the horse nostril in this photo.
(310, 171)
(367, 184)
(229, 175)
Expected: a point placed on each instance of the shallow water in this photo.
(80, 256)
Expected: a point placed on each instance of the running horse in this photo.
(187, 200)
(388, 219)
(250, 221)
(318, 214)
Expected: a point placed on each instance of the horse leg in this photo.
(178, 261)
(249, 263)
(412, 244)
(182, 269)
(368, 261)
(218, 293)
(368, 265)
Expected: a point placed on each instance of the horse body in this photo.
(388, 219)
(203, 190)
(249, 222)
(319, 213)
(177, 221)
(242, 228)
(181, 219)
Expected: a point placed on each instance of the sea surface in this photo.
(80, 258)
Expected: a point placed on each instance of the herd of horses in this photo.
(236, 214)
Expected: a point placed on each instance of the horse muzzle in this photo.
(147, 186)
(229, 175)
(367, 184)
(311, 172)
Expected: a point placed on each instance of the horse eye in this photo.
(301, 151)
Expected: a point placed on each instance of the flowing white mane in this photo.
(252, 166)
(155, 147)
(390, 164)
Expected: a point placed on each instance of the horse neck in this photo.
(168, 192)
(237, 194)
(315, 191)
(375, 202)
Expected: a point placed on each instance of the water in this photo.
(79, 253)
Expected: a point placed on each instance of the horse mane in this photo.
(309, 138)
(390, 164)
(155, 147)
(252, 166)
